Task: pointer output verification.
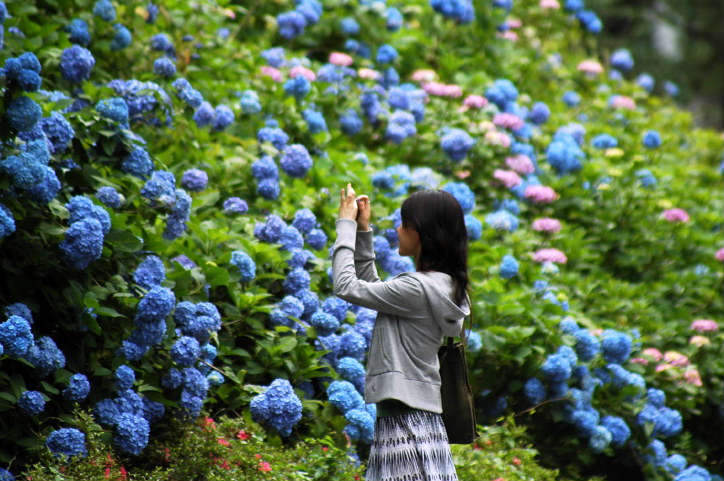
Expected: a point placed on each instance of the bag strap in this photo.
(463, 337)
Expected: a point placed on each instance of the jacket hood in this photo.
(438, 288)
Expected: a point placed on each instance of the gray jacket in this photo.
(415, 312)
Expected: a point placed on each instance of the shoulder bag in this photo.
(458, 405)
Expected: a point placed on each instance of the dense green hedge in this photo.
(621, 271)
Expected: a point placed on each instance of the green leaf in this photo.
(123, 240)
(287, 344)
(217, 276)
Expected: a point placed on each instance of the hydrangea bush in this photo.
(165, 225)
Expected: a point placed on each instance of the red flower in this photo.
(209, 423)
(243, 435)
(108, 472)
(325, 448)
(517, 461)
(257, 456)
(124, 473)
(264, 466)
(223, 442)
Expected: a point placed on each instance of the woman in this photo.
(415, 311)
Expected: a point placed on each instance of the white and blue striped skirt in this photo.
(410, 447)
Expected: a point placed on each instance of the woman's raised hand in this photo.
(355, 208)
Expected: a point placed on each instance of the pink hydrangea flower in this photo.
(692, 376)
(515, 23)
(640, 360)
(463, 174)
(704, 325)
(341, 59)
(442, 90)
(547, 224)
(497, 138)
(509, 35)
(508, 121)
(304, 72)
(423, 75)
(540, 194)
(664, 367)
(275, 74)
(368, 73)
(550, 255)
(590, 67)
(720, 255)
(475, 101)
(699, 341)
(508, 177)
(550, 4)
(653, 353)
(676, 358)
(623, 102)
(676, 215)
(520, 163)
(487, 126)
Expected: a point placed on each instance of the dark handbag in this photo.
(458, 405)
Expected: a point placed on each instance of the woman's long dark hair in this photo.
(437, 217)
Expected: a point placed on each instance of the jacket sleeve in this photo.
(364, 257)
(400, 296)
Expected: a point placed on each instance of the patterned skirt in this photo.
(410, 447)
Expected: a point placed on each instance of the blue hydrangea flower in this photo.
(164, 67)
(539, 113)
(76, 64)
(571, 98)
(474, 227)
(501, 93)
(556, 368)
(310, 9)
(138, 163)
(81, 207)
(564, 154)
(296, 280)
(315, 121)
(78, 388)
(361, 425)
(122, 38)
(616, 346)
(105, 10)
(160, 187)
(47, 189)
(125, 377)
(67, 442)
(131, 433)
(324, 323)
(291, 238)
(223, 117)
(109, 196)
(194, 180)
(172, 379)
(152, 411)
(16, 337)
(304, 220)
(621, 59)
(295, 160)
(646, 82)
(298, 87)
(675, 464)
(344, 396)
(652, 139)
(58, 131)
(671, 89)
(235, 205)
(291, 24)
(204, 114)
(152, 11)
(78, 32)
(21, 310)
(456, 143)
(590, 21)
(250, 102)
(32, 402)
(278, 406)
(246, 265)
(300, 258)
(83, 243)
(393, 19)
(271, 230)
(656, 397)
(336, 307)
(349, 26)
(277, 137)
(600, 439)
(156, 305)
(587, 345)
(353, 371)
(114, 109)
(508, 267)
(185, 351)
(23, 113)
(620, 432)
(316, 239)
(191, 97)
(534, 390)
(161, 42)
(45, 356)
(604, 141)
(401, 125)
(386, 54)
(350, 122)
(274, 56)
(7, 222)
(463, 194)
(502, 220)
(352, 344)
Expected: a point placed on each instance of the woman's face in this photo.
(409, 241)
